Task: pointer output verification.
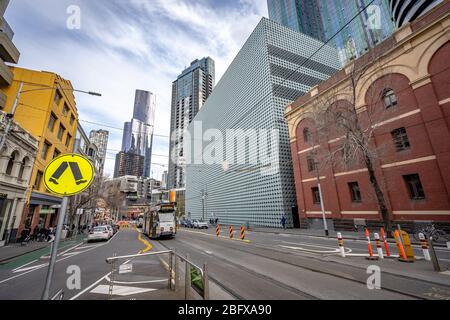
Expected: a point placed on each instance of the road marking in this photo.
(121, 290)
(208, 252)
(308, 244)
(26, 264)
(136, 282)
(30, 268)
(312, 251)
(90, 287)
(147, 244)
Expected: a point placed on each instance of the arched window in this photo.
(307, 135)
(22, 167)
(389, 98)
(10, 166)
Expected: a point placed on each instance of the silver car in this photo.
(99, 233)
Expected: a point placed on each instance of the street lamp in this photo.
(10, 116)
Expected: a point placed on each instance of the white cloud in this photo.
(123, 46)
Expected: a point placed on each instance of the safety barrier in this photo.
(341, 244)
(424, 244)
(195, 278)
(369, 247)
(218, 230)
(231, 232)
(242, 235)
(378, 245)
(386, 246)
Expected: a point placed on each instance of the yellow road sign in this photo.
(68, 174)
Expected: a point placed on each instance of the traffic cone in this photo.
(341, 244)
(369, 247)
(386, 246)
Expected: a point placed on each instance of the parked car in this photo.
(99, 233)
(111, 230)
(189, 224)
(194, 224)
(202, 225)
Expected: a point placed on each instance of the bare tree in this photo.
(351, 130)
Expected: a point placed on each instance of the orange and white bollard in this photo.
(401, 250)
(231, 232)
(218, 230)
(242, 233)
(369, 247)
(386, 246)
(341, 244)
(424, 244)
(378, 245)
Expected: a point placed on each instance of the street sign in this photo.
(68, 174)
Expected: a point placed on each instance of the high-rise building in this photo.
(164, 180)
(405, 11)
(129, 164)
(189, 93)
(138, 133)
(100, 139)
(332, 19)
(246, 110)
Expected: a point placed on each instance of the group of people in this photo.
(39, 233)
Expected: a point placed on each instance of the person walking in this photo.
(283, 221)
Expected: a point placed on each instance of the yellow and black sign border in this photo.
(75, 193)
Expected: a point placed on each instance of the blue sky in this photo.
(124, 45)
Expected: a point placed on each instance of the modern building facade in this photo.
(404, 96)
(8, 53)
(405, 11)
(129, 164)
(138, 133)
(254, 184)
(16, 164)
(164, 180)
(189, 93)
(50, 115)
(324, 20)
(100, 139)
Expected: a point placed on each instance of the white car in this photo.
(99, 233)
(110, 229)
(201, 224)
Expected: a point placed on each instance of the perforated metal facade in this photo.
(252, 94)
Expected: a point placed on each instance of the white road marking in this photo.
(309, 250)
(136, 282)
(208, 252)
(31, 268)
(26, 264)
(120, 290)
(90, 287)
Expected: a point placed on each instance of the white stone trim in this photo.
(318, 212)
(314, 179)
(442, 102)
(403, 163)
(405, 115)
(350, 172)
(428, 212)
(360, 212)
(309, 149)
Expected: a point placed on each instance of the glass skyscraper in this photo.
(138, 133)
(324, 19)
(189, 93)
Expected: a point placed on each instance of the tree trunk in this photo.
(379, 194)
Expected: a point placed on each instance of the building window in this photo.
(65, 110)
(58, 97)
(72, 119)
(355, 192)
(56, 153)
(45, 149)
(401, 140)
(311, 164)
(414, 186)
(38, 180)
(316, 195)
(307, 135)
(51, 122)
(68, 140)
(10, 166)
(389, 98)
(61, 132)
(22, 167)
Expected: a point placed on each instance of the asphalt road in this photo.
(266, 267)
(27, 281)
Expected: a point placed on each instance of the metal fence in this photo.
(195, 278)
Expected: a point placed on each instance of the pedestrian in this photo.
(283, 222)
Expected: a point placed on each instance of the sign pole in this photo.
(51, 266)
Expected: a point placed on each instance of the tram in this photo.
(160, 221)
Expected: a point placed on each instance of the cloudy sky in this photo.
(124, 45)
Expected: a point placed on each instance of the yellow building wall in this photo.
(35, 109)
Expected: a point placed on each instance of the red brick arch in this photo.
(439, 70)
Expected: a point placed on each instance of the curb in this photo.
(345, 237)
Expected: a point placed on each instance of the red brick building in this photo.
(403, 98)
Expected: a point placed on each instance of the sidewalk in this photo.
(332, 234)
(15, 250)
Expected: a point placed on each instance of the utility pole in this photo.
(203, 204)
(322, 206)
